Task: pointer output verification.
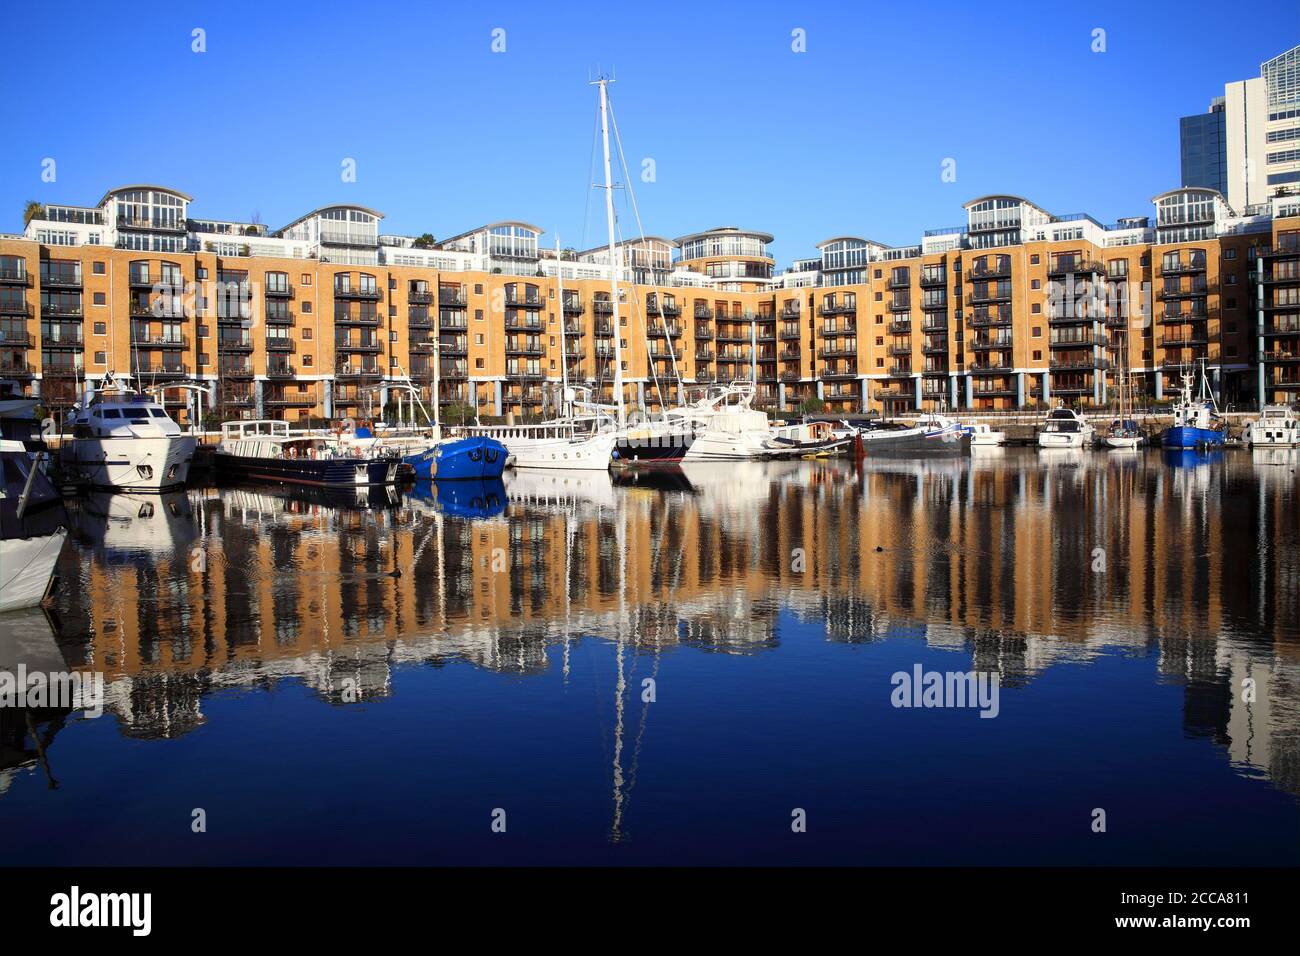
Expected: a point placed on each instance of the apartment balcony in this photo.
(1077, 341)
(936, 280)
(572, 306)
(1286, 278)
(1277, 327)
(1276, 306)
(17, 309)
(277, 317)
(524, 323)
(838, 308)
(838, 374)
(68, 311)
(1075, 267)
(1193, 292)
(524, 348)
(940, 348)
(452, 298)
(362, 373)
(367, 320)
(1280, 357)
(16, 340)
(235, 345)
(284, 291)
(63, 341)
(280, 370)
(453, 323)
(900, 349)
(165, 342)
(790, 335)
(835, 350)
(901, 370)
(657, 331)
(602, 307)
(978, 344)
(1079, 364)
(11, 276)
(898, 282)
(290, 401)
(525, 375)
(996, 271)
(833, 329)
(366, 294)
(1199, 315)
(243, 400)
(61, 280)
(788, 376)
(453, 373)
(988, 321)
(1070, 318)
(1186, 340)
(452, 349)
(899, 305)
(530, 302)
(930, 325)
(900, 327)
(989, 296)
(163, 372)
(703, 355)
(668, 309)
(420, 296)
(1181, 268)
(991, 367)
(279, 344)
(371, 348)
(62, 370)
(892, 395)
(790, 310)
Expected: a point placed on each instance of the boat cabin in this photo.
(122, 415)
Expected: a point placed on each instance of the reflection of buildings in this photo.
(1017, 567)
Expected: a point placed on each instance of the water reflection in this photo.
(1021, 561)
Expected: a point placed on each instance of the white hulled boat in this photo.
(1065, 428)
(123, 439)
(33, 524)
(1278, 426)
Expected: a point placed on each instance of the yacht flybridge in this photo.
(124, 439)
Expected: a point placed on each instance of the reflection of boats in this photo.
(1278, 426)
(1196, 420)
(32, 523)
(264, 451)
(140, 523)
(464, 499)
(27, 640)
(1192, 457)
(1065, 428)
(566, 488)
(123, 439)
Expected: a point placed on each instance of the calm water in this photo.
(368, 680)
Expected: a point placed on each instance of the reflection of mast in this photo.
(620, 687)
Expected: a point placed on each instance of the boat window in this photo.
(110, 413)
(157, 413)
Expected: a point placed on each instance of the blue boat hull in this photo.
(1186, 437)
(461, 459)
(464, 499)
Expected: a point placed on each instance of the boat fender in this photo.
(476, 454)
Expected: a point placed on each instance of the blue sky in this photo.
(848, 137)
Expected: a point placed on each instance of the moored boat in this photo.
(1196, 420)
(1278, 426)
(1065, 428)
(125, 440)
(33, 527)
(265, 451)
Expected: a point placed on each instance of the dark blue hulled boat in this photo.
(1196, 420)
(460, 459)
(464, 499)
(265, 451)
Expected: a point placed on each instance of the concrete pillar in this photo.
(36, 388)
(780, 396)
(1047, 387)
(383, 401)
(1097, 393)
(498, 401)
(327, 392)
(952, 391)
(1160, 385)
(1020, 389)
(820, 391)
(640, 395)
(970, 391)
(864, 387)
(1216, 384)
(1260, 398)
(916, 382)
(257, 397)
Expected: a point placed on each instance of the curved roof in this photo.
(1188, 189)
(870, 242)
(151, 186)
(1020, 199)
(492, 225)
(728, 231)
(335, 205)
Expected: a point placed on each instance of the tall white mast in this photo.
(613, 260)
(564, 346)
